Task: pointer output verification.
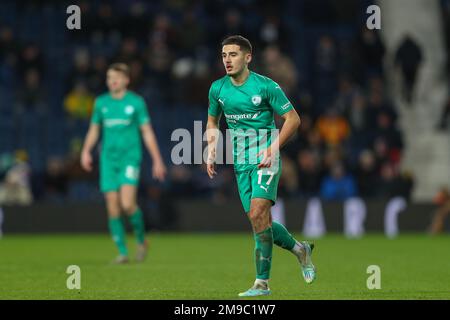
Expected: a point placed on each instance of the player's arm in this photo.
(212, 128)
(281, 105)
(148, 136)
(290, 126)
(212, 135)
(89, 143)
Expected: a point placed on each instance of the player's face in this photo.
(234, 59)
(116, 80)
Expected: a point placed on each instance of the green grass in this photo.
(218, 266)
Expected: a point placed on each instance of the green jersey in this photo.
(121, 120)
(249, 113)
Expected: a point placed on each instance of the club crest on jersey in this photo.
(129, 109)
(256, 100)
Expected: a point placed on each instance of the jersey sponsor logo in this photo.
(256, 114)
(129, 109)
(116, 122)
(256, 100)
(236, 117)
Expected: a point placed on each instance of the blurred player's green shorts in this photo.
(114, 174)
(258, 183)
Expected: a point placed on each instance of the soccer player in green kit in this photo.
(248, 101)
(122, 115)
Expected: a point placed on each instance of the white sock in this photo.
(298, 248)
(262, 283)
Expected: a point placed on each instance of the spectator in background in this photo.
(191, 33)
(408, 58)
(332, 127)
(326, 63)
(270, 30)
(8, 45)
(32, 95)
(129, 51)
(346, 93)
(136, 22)
(159, 59)
(377, 105)
(232, 23)
(31, 58)
(370, 50)
(137, 75)
(387, 132)
(164, 32)
(79, 102)
(366, 174)
(105, 23)
(56, 179)
(300, 140)
(338, 185)
(309, 173)
(357, 114)
(81, 70)
(393, 184)
(96, 80)
(16, 189)
(289, 176)
(280, 68)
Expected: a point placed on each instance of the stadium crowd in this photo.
(328, 63)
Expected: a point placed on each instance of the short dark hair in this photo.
(120, 67)
(242, 42)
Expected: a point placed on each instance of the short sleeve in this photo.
(214, 108)
(277, 99)
(97, 113)
(142, 112)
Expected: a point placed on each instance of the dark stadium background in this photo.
(337, 73)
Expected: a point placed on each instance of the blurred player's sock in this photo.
(263, 253)
(137, 222)
(141, 252)
(118, 234)
(282, 237)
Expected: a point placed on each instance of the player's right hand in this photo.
(210, 163)
(211, 169)
(86, 161)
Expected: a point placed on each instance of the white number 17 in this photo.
(260, 174)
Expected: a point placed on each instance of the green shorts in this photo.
(258, 183)
(114, 174)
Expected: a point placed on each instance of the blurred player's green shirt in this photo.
(121, 120)
(249, 106)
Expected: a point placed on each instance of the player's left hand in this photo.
(159, 171)
(266, 161)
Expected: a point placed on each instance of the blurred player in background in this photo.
(442, 199)
(248, 101)
(123, 117)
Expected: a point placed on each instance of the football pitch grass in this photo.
(217, 266)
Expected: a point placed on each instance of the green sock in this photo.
(137, 221)
(263, 253)
(282, 237)
(118, 234)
